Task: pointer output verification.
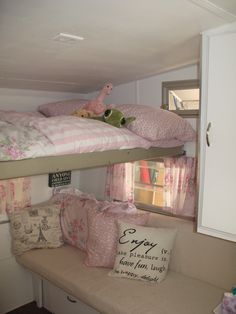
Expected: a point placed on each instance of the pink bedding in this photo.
(28, 136)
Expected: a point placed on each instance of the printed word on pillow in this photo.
(143, 252)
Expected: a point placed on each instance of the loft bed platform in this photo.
(45, 165)
(33, 145)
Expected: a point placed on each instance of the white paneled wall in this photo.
(29, 100)
(15, 282)
(149, 92)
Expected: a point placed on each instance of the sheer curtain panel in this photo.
(14, 194)
(120, 182)
(180, 186)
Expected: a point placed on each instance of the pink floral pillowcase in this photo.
(60, 108)
(103, 234)
(74, 222)
(77, 212)
(156, 124)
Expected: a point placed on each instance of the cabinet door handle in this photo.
(208, 133)
(71, 300)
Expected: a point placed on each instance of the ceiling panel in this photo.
(125, 40)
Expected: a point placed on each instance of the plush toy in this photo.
(82, 113)
(115, 117)
(97, 106)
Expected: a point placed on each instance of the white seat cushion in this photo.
(64, 268)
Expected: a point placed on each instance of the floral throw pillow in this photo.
(36, 227)
(156, 124)
(103, 234)
(143, 252)
(74, 221)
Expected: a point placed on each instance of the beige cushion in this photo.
(35, 227)
(143, 252)
(110, 295)
(197, 255)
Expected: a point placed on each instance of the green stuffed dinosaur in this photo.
(114, 117)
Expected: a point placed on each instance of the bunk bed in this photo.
(88, 143)
(50, 284)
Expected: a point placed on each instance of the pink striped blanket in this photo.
(25, 135)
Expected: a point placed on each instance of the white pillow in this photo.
(143, 252)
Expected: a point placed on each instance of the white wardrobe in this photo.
(217, 148)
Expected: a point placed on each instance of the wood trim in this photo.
(215, 9)
(186, 113)
(175, 85)
(217, 233)
(45, 165)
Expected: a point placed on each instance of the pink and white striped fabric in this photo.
(79, 135)
(27, 136)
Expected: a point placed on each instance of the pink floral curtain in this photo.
(14, 194)
(120, 182)
(180, 186)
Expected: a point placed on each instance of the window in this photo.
(166, 185)
(149, 181)
(181, 97)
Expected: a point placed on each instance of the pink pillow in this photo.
(74, 222)
(103, 235)
(60, 108)
(22, 113)
(157, 124)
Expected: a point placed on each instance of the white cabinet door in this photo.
(217, 172)
(59, 302)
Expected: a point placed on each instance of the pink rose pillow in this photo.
(74, 223)
(103, 235)
(157, 124)
(75, 206)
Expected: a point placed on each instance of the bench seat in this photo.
(64, 268)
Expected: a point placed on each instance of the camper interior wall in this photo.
(15, 283)
(149, 92)
(29, 100)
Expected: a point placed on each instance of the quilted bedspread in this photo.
(28, 135)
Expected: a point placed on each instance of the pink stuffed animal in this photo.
(97, 106)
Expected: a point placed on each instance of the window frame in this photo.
(178, 85)
(150, 207)
(158, 209)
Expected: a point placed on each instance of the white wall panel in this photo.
(150, 89)
(15, 285)
(15, 282)
(123, 94)
(149, 92)
(93, 181)
(29, 100)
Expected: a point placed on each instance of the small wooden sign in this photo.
(59, 178)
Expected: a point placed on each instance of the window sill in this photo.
(159, 210)
(186, 113)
